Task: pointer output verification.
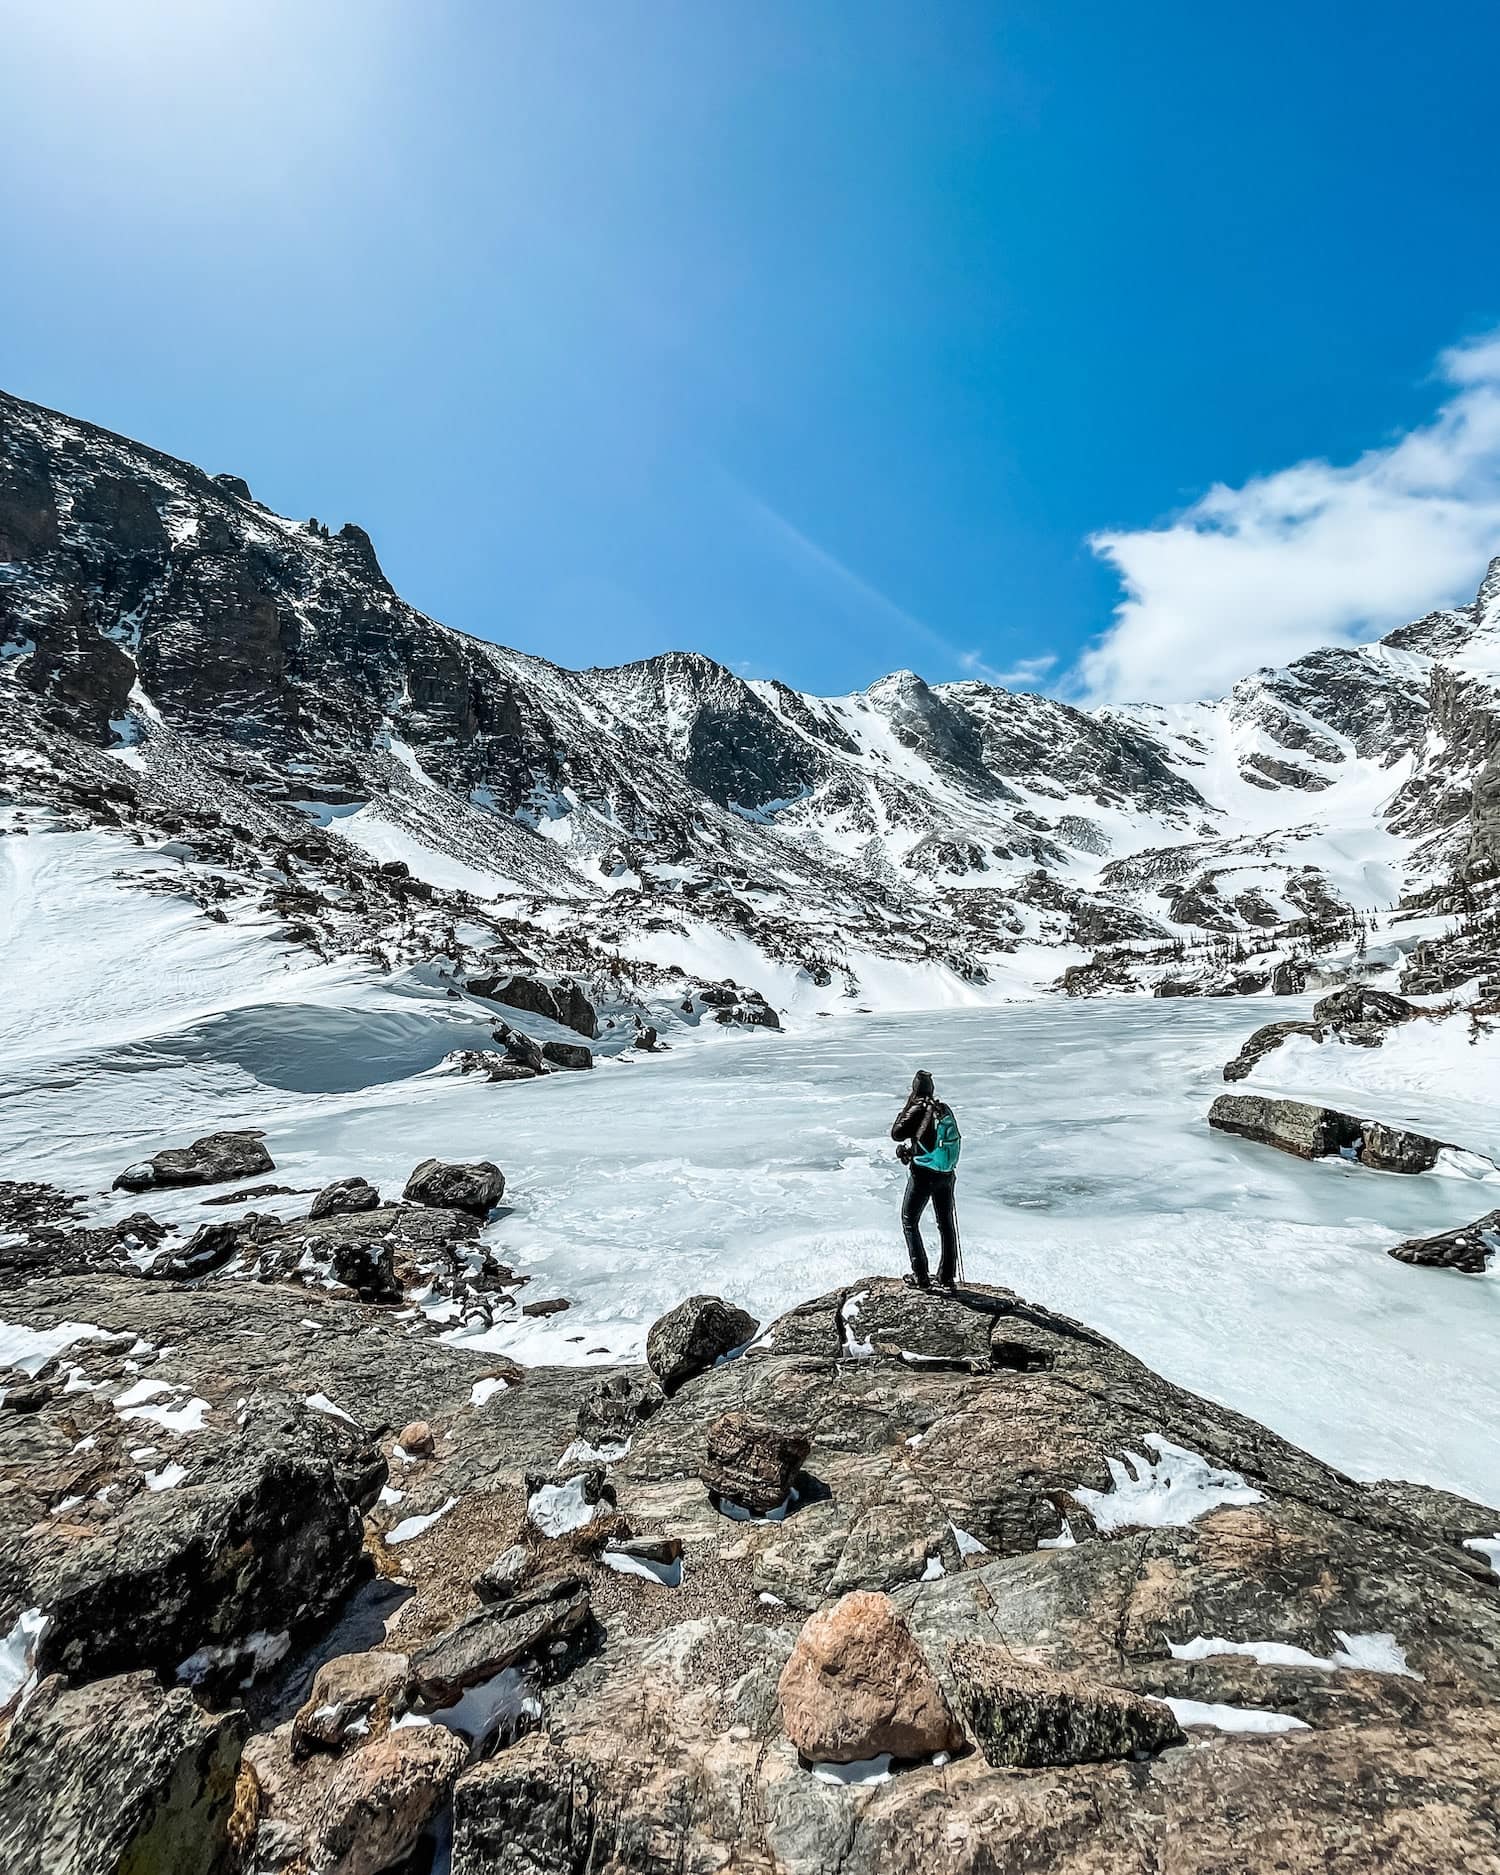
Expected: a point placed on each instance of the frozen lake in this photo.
(759, 1167)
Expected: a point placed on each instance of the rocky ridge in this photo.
(181, 664)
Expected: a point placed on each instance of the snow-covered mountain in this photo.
(181, 663)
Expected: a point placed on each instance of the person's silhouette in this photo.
(928, 1146)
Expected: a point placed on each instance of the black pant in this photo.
(922, 1185)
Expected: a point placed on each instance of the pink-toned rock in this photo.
(417, 1439)
(348, 1692)
(857, 1685)
(380, 1799)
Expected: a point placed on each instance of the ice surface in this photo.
(1177, 1487)
(320, 1403)
(758, 1166)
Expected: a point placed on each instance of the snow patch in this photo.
(1356, 1653)
(862, 1771)
(18, 1653)
(667, 1575)
(179, 1419)
(580, 1452)
(495, 1705)
(848, 1316)
(30, 1349)
(557, 1509)
(1176, 1488)
(410, 1527)
(1233, 1718)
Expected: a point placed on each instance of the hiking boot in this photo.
(947, 1288)
(916, 1282)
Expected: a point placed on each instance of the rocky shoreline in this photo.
(892, 1582)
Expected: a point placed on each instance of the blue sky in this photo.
(822, 338)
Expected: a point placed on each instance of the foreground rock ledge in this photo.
(1086, 1561)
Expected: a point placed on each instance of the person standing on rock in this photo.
(928, 1146)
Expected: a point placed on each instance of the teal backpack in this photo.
(942, 1154)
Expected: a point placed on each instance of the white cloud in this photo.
(1314, 554)
(1024, 674)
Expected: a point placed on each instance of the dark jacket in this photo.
(917, 1121)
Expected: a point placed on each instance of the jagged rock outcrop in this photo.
(258, 673)
(344, 1197)
(1467, 1249)
(260, 1534)
(1026, 1716)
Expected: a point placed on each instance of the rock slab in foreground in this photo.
(499, 1636)
(117, 1776)
(752, 1462)
(1024, 1716)
(347, 1692)
(382, 1798)
(857, 1685)
(264, 1535)
(690, 1338)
